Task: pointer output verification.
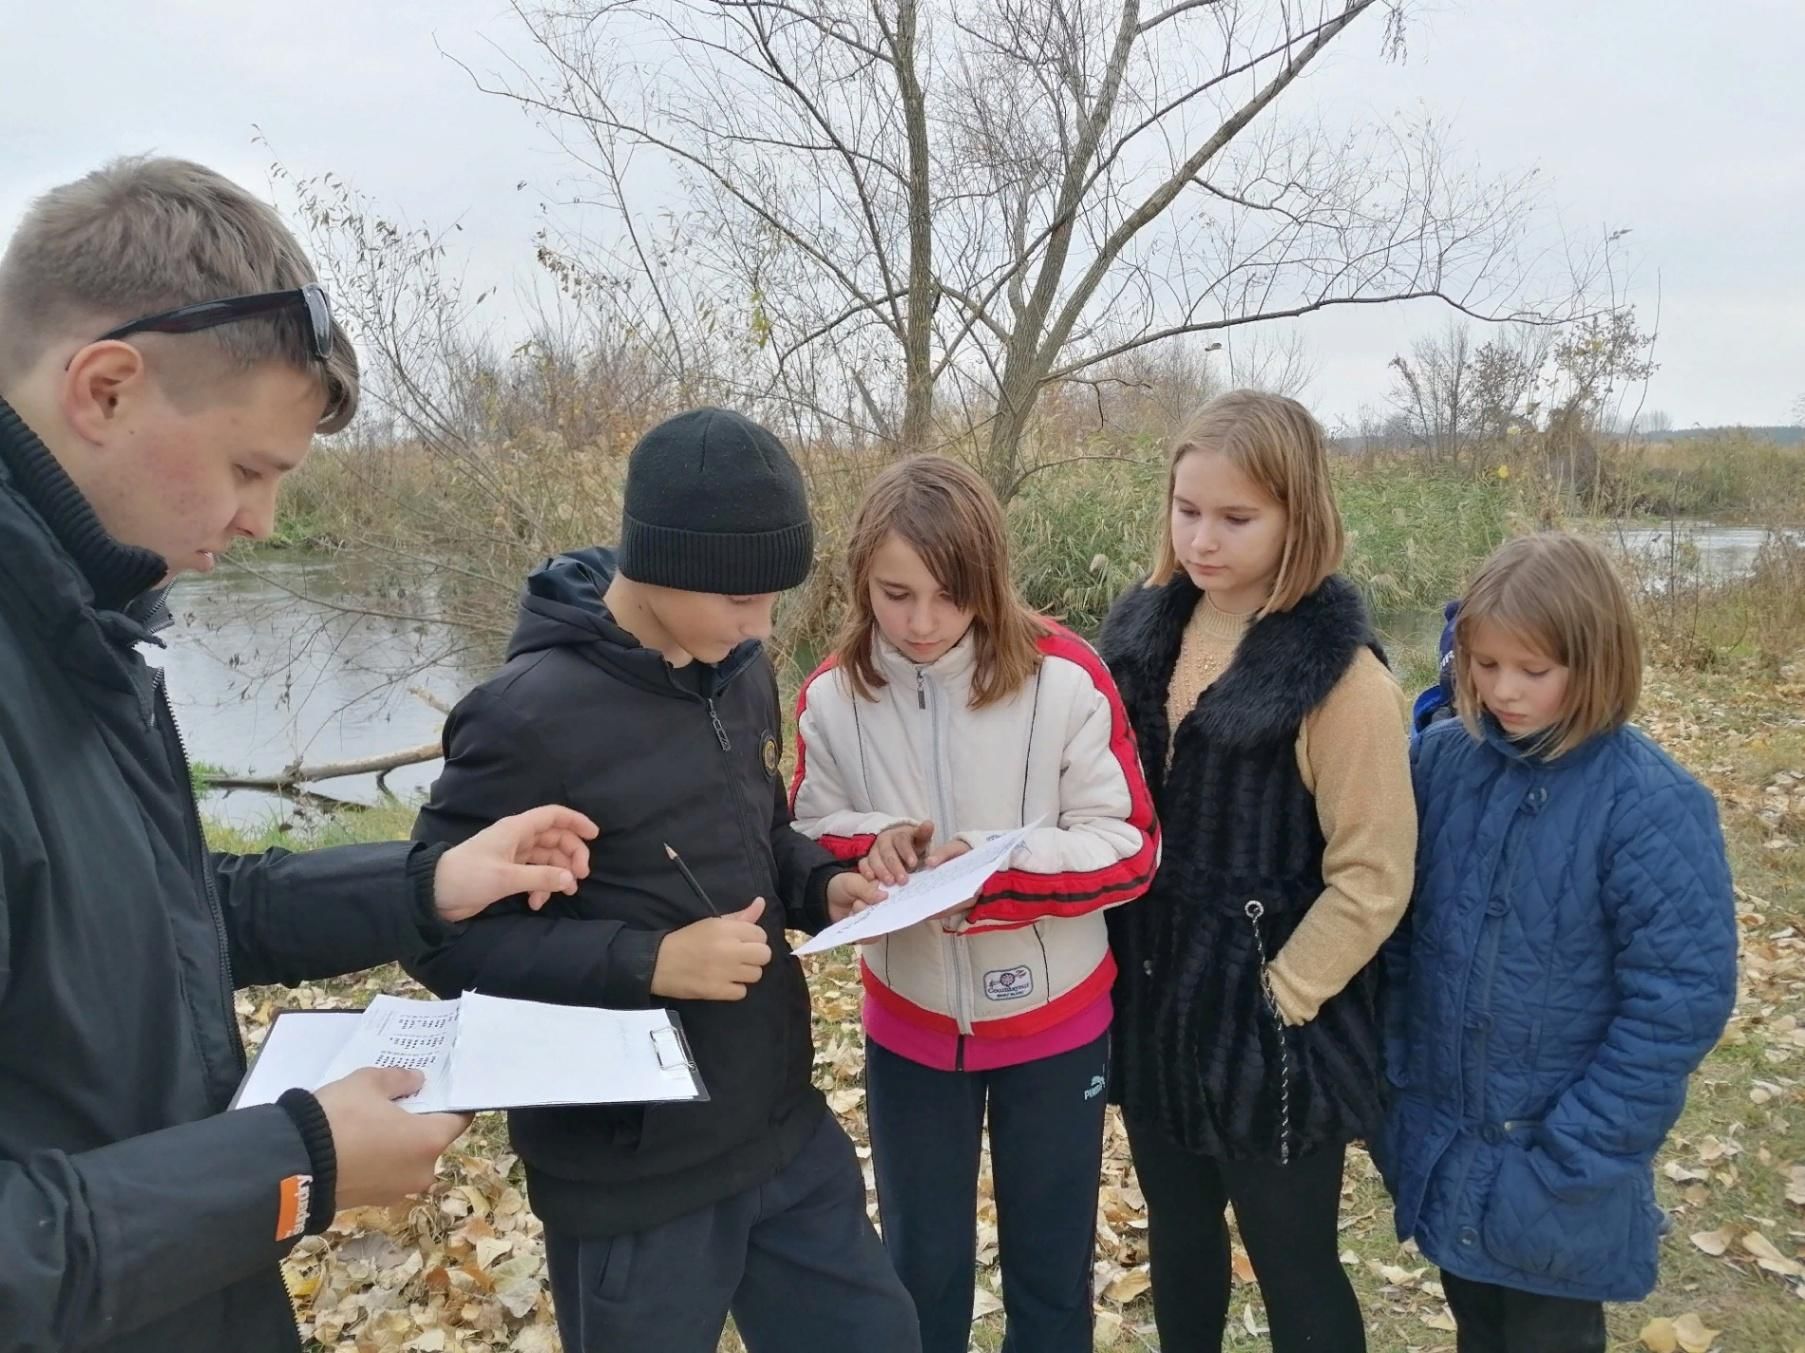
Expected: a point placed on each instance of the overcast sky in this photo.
(1678, 120)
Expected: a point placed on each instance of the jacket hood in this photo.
(562, 607)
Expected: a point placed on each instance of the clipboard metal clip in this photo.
(672, 1049)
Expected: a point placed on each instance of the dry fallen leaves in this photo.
(1716, 1242)
(1770, 1258)
(1685, 1333)
(1441, 1320)
(1130, 1285)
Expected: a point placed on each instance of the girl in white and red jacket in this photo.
(949, 713)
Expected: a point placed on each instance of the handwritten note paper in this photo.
(926, 894)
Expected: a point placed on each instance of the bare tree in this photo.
(885, 205)
(1432, 390)
(1501, 390)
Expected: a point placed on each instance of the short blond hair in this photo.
(1557, 593)
(1277, 443)
(142, 235)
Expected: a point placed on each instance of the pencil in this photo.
(689, 878)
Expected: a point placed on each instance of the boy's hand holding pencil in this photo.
(714, 959)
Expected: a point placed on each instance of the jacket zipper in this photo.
(955, 946)
(172, 733)
(757, 860)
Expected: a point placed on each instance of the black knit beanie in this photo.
(714, 504)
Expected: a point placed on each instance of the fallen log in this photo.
(295, 774)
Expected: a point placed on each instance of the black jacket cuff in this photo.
(316, 1135)
(422, 881)
(813, 917)
(632, 958)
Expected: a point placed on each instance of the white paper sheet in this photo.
(521, 1052)
(483, 1052)
(414, 1035)
(926, 894)
(296, 1051)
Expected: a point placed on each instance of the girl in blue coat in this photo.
(1568, 959)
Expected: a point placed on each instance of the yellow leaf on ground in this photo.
(1130, 1285)
(1441, 1320)
(1770, 1258)
(1715, 1242)
(1693, 1335)
(1795, 1185)
(1659, 1336)
(491, 1248)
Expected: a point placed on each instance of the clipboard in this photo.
(483, 1052)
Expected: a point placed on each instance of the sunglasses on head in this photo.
(189, 319)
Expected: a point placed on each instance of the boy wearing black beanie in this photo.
(637, 683)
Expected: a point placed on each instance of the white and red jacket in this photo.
(1026, 973)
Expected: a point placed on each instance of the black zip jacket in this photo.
(584, 714)
(134, 1213)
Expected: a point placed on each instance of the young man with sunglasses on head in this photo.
(166, 356)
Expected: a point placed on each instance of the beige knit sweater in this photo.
(1353, 754)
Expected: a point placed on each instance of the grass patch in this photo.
(297, 830)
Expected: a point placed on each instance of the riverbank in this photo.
(463, 1269)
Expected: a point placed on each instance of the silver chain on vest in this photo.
(1255, 910)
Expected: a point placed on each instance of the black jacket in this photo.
(584, 715)
(134, 1213)
(1201, 1052)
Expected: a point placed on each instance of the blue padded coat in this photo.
(1568, 959)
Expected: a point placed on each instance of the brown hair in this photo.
(950, 517)
(1275, 442)
(1558, 594)
(144, 235)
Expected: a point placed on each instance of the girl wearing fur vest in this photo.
(951, 712)
(1274, 739)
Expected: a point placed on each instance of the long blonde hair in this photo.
(950, 517)
(1558, 594)
(1275, 442)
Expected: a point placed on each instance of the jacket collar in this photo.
(1521, 751)
(91, 596)
(116, 574)
(1286, 663)
(952, 670)
(562, 606)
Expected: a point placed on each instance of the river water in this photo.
(279, 660)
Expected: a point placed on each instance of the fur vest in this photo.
(1201, 1052)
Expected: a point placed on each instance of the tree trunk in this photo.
(918, 377)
